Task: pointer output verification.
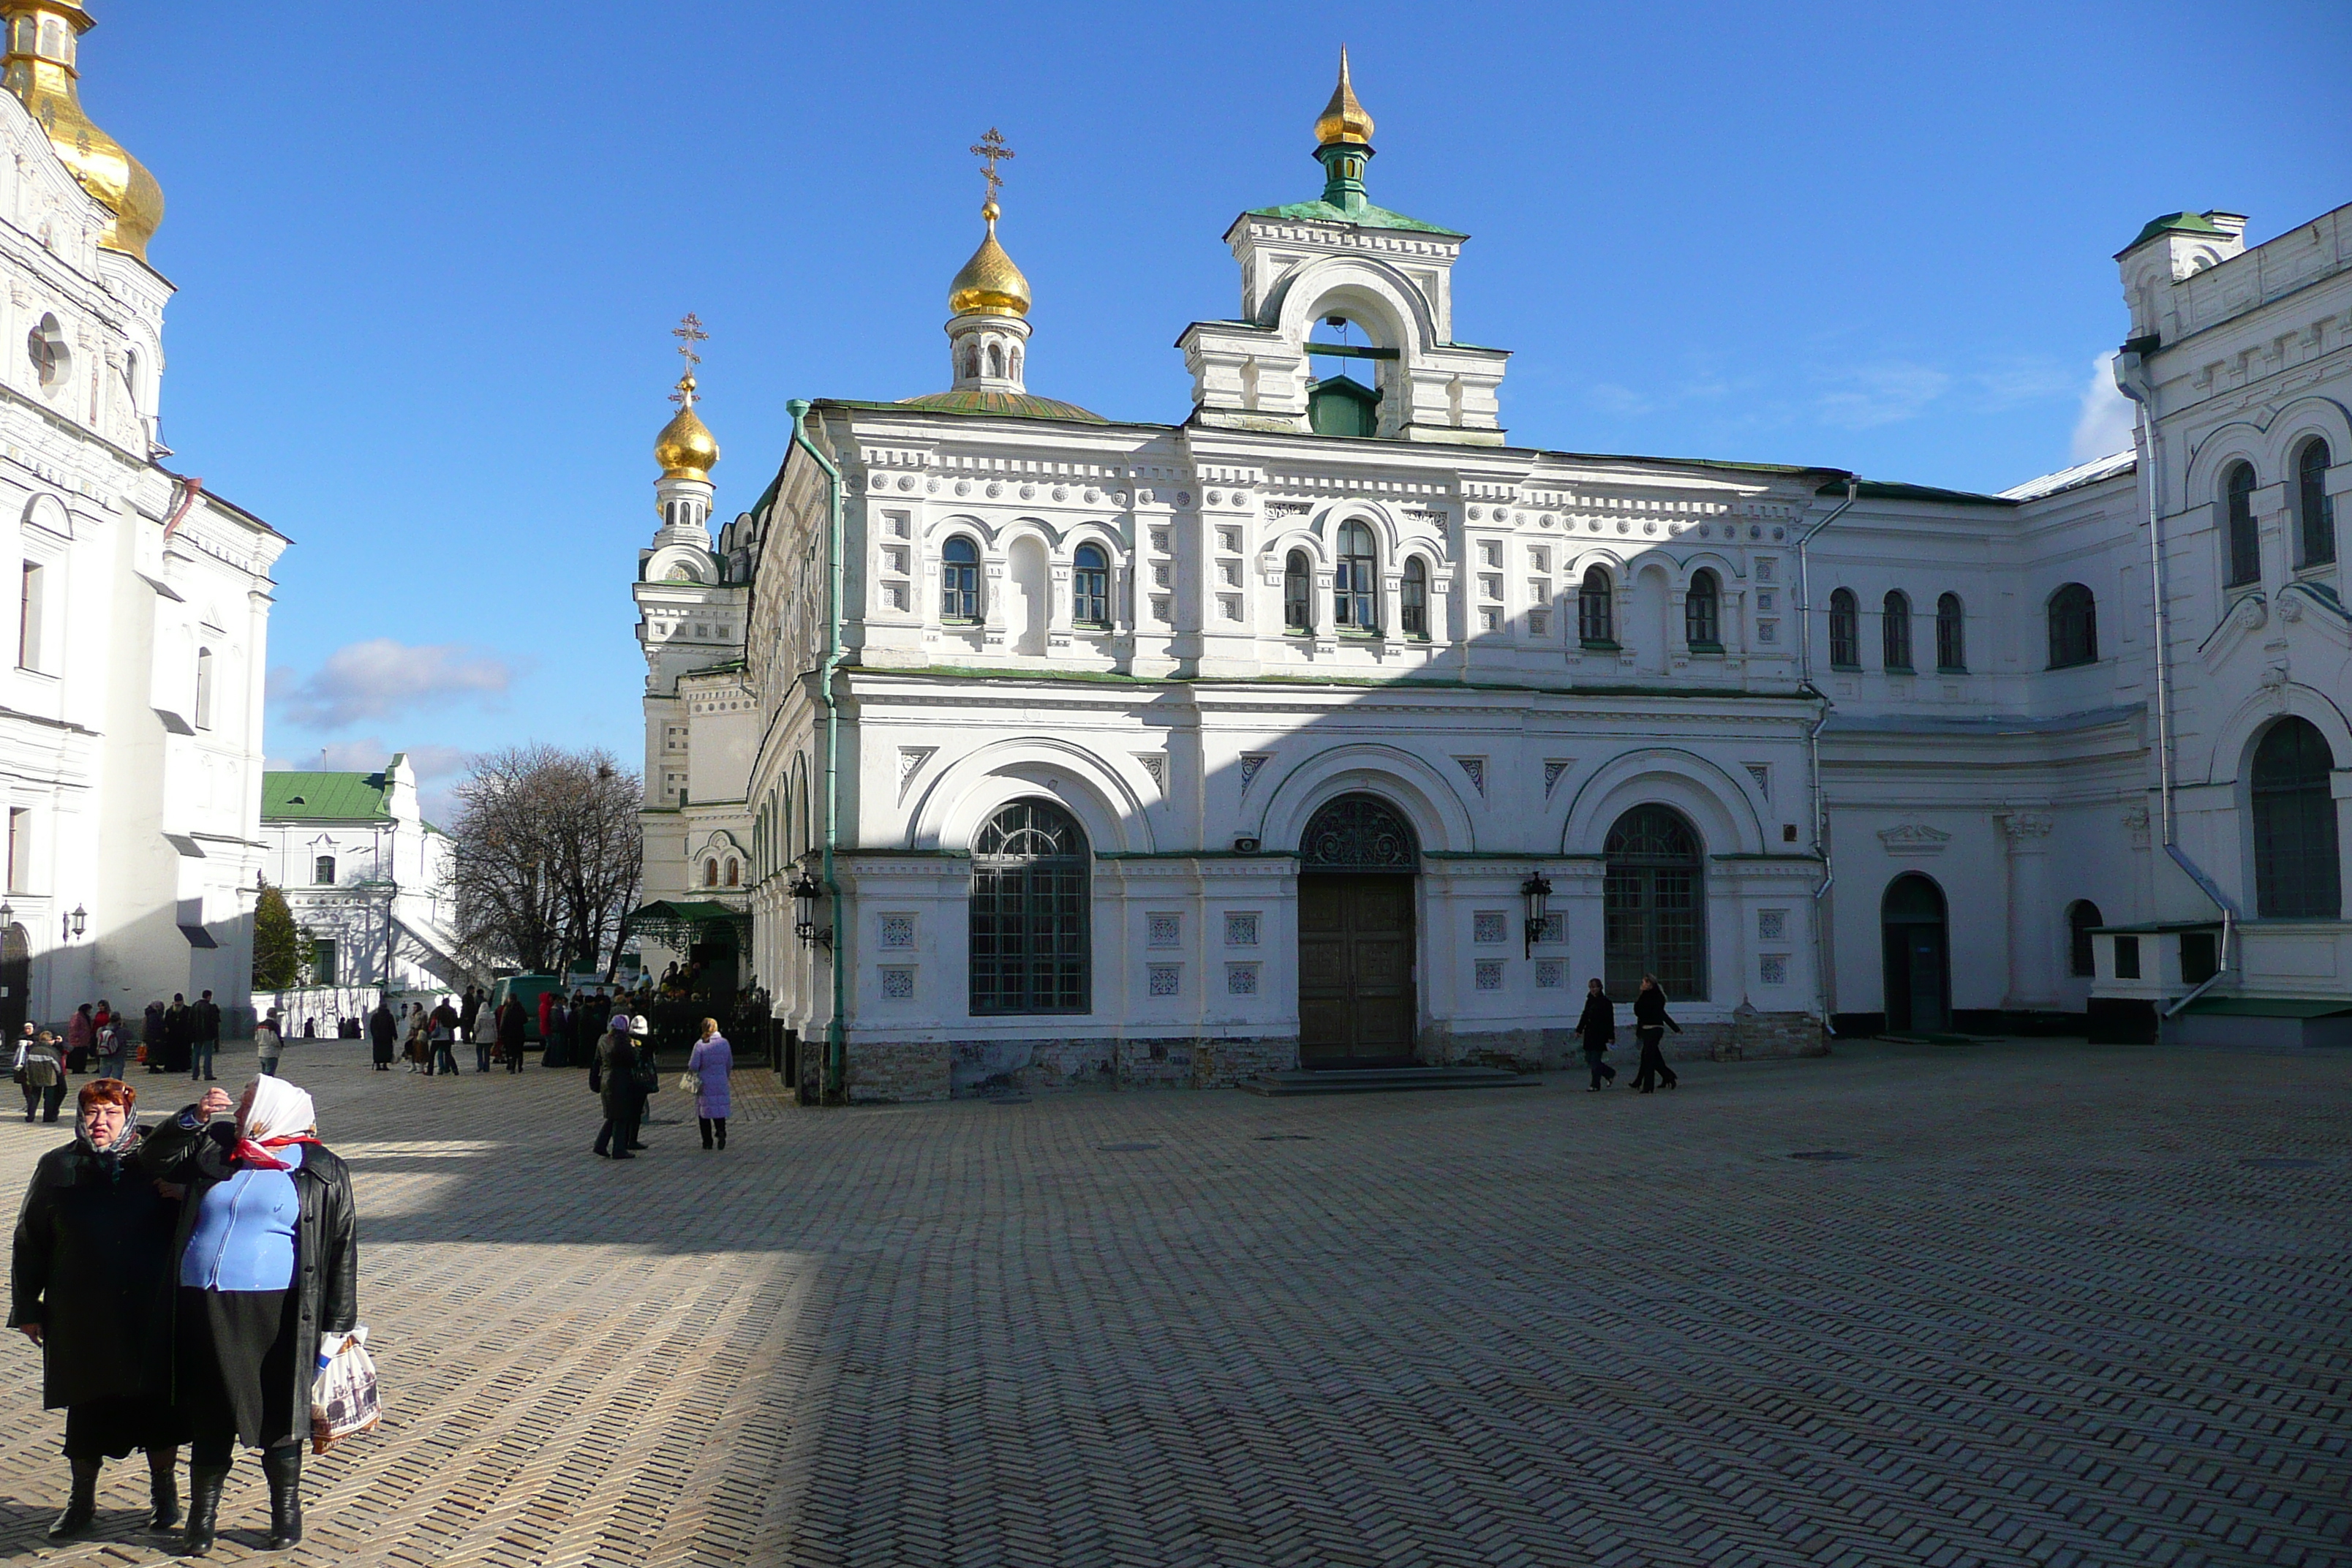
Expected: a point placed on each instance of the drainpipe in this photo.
(835, 1087)
(2134, 382)
(1814, 754)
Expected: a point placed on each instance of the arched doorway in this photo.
(15, 980)
(1918, 957)
(1355, 865)
(2297, 874)
(1654, 905)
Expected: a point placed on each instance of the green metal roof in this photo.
(338, 797)
(1017, 404)
(1365, 217)
(2175, 223)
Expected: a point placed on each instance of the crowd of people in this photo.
(178, 1280)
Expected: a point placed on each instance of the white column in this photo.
(2032, 971)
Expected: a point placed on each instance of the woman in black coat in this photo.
(92, 1288)
(1650, 1027)
(266, 1260)
(383, 1035)
(1598, 1025)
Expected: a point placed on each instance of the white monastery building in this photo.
(1334, 728)
(369, 879)
(130, 724)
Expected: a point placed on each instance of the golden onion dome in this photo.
(43, 39)
(686, 449)
(1343, 118)
(989, 285)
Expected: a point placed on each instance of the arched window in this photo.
(2082, 917)
(2296, 873)
(322, 870)
(1030, 949)
(1297, 597)
(1653, 900)
(2238, 505)
(1895, 633)
(1356, 585)
(1596, 609)
(995, 360)
(1090, 586)
(734, 872)
(2074, 627)
(1703, 613)
(959, 580)
(1412, 606)
(1845, 630)
(203, 688)
(2314, 509)
(1952, 635)
(710, 873)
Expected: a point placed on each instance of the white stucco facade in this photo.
(1914, 829)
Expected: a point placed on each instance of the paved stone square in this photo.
(2065, 1304)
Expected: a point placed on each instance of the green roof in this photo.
(1365, 217)
(338, 797)
(2175, 223)
(1017, 404)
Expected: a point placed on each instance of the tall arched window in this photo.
(1356, 585)
(1030, 948)
(1951, 635)
(203, 688)
(2297, 874)
(1090, 586)
(1596, 609)
(1412, 604)
(2081, 918)
(2238, 507)
(1895, 632)
(1845, 630)
(1652, 905)
(1703, 613)
(2314, 509)
(959, 580)
(1297, 594)
(2074, 627)
(734, 872)
(710, 873)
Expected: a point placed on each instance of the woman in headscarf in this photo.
(712, 1061)
(266, 1262)
(92, 1288)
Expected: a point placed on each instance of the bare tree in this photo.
(548, 858)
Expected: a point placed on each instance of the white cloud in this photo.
(1624, 401)
(380, 677)
(2104, 425)
(1883, 394)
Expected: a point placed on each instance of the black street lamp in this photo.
(1537, 890)
(807, 891)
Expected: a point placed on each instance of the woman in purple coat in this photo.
(711, 1062)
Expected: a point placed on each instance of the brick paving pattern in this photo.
(2049, 1313)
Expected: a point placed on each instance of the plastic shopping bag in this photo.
(344, 1395)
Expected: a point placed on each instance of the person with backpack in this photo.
(1649, 1025)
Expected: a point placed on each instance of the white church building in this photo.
(130, 724)
(1336, 727)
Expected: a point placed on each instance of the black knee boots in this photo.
(163, 1488)
(204, 1483)
(82, 1507)
(283, 1465)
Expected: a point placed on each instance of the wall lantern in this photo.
(7, 914)
(807, 891)
(1537, 890)
(80, 919)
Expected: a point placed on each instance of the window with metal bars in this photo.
(1845, 630)
(1895, 632)
(2315, 509)
(1596, 610)
(1703, 613)
(1297, 599)
(1031, 949)
(2244, 542)
(1952, 635)
(2297, 872)
(1653, 904)
(2074, 627)
(1412, 606)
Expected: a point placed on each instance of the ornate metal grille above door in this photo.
(1359, 833)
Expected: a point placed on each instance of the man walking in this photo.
(1649, 1025)
(203, 1037)
(1598, 1027)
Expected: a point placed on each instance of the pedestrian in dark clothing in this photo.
(41, 1068)
(150, 1033)
(469, 1009)
(614, 1079)
(265, 1257)
(510, 1035)
(444, 1039)
(91, 1285)
(175, 1038)
(383, 1035)
(1650, 1027)
(203, 1037)
(1599, 1026)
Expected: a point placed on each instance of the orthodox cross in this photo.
(990, 148)
(688, 333)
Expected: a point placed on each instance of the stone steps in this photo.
(1384, 1080)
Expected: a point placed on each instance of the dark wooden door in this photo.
(1355, 970)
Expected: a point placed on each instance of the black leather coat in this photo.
(93, 1267)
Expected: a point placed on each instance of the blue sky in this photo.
(428, 258)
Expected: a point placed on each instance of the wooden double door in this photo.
(1355, 1005)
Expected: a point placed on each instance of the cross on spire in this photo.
(688, 333)
(990, 148)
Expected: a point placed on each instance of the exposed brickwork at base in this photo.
(886, 1073)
